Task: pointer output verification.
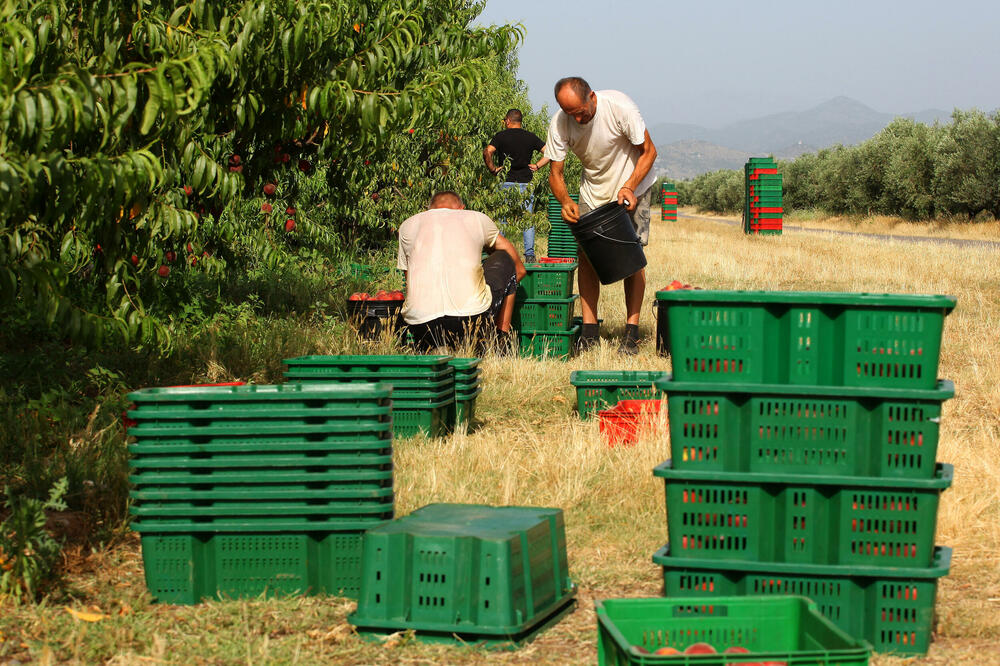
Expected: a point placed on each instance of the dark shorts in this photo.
(447, 331)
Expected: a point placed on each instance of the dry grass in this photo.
(532, 450)
(882, 224)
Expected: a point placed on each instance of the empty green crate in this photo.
(398, 365)
(240, 524)
(834, 339)
(804, 429)
(200, 508)
(545, 314)
(803, 519)
(187, 568)
(465, 407)
(253, 396)
(274, 460)
(601, 389)
(261, 493)
(548, 344)
(547, 281)
(890, 607)
(778, 629)
(375, 438)
(413, 417)
(241, 478)
(478, 573)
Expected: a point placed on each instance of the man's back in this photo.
(441, 250)
(518, 144)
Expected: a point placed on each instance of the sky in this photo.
(719, 61)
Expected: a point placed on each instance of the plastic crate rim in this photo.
(247, 392)
(944, 391)
(818, 298)
(944, 474)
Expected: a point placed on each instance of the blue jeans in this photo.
(529, 233)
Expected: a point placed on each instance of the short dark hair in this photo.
(577, 83)
(514, 116)
(445, 196)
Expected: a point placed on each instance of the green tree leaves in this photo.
(133, 129)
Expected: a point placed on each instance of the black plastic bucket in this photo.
(371, 317)
(607, 237)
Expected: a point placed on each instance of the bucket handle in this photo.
(615, 240)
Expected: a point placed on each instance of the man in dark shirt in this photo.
(518, 145)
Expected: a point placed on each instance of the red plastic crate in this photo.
(623, 423)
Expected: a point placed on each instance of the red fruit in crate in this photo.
(382, 295)
(663, 651)
(639, 649)
(358, 296)
(397, 295)
(677, 284)
(700, 648)
(736, 649)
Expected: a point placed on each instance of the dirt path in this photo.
(888, 237)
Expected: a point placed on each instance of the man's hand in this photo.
(533, 167)
(627, 196)
(571, 212)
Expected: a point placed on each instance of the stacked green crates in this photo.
(246, 490)
(467, 389)
(763, 210)
(803, 432)
(668, 205)
(544, 309)
(561, 240)
(493, 576)
(423, 386)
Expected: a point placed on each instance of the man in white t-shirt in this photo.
(606, 131)
(452, 297)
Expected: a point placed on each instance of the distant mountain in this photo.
(787, 135)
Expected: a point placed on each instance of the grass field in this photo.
(533, 450)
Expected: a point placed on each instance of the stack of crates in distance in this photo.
(464, 573)
(467, 389)
(245, 490)
(668, 206)
(803, 434)
(762, 211)
(562, 243)
(544, 308)
(423, 386)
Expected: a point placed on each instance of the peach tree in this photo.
(145, 140)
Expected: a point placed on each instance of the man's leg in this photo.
(635, 285)
(529, 234)
(590, 289)
(635, 289)
(498, 269)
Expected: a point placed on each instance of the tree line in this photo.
(909, 169)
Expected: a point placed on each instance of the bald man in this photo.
(606, 131)
(452, 297)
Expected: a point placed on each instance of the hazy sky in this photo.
(717, 61)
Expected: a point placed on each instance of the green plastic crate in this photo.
(266, 396)
(803, 519)
(199, 463)
(260, 493)
(398, 365)
(412, 417)
(544, 281)
(242, 478)
(244, 524)
(778, 629)
(199, 508)
(601, 389)
(833, 339)
(464, 408)
(548, 344)
(545, 314)
(890, 607)
(804, 429)
(479, 573)
(374, 438)
(401, 387)
(187, 568)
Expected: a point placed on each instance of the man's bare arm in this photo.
(642, 167)
(488, 158)
(504, 245)
(557, 183)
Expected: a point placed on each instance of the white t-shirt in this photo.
(608, 146)
(441, 250)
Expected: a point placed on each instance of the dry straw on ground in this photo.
(532, 449)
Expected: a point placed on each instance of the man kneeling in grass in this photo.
(452, 297)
